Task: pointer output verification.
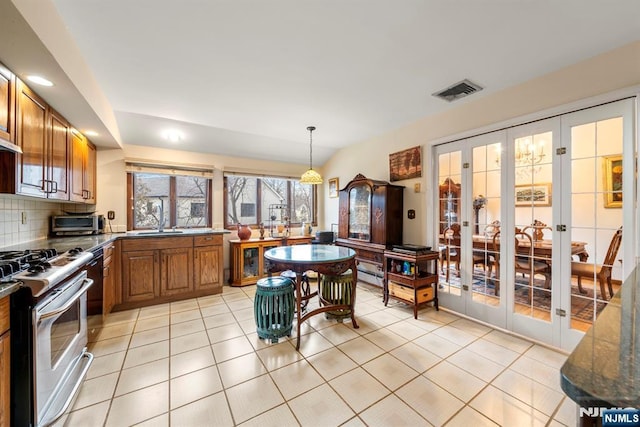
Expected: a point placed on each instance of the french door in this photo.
(534, 205)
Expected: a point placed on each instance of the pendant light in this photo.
(311, 177)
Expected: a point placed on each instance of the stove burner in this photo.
(75, 251)
(7, 268)
(34, 261)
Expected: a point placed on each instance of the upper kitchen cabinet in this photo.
(56, 162)
(31, 136)
(7, 104)
(83, 169)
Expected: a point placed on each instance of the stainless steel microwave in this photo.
(69, 225)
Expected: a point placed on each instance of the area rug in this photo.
(582, 305)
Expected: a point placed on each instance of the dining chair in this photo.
(486, 257)
(526, 263)
(451, 249)
(601, 272)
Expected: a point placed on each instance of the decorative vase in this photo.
(306, 229)
(244, 232)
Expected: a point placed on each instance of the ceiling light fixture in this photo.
(173, 135)
(90, 133)
(311, 177)
(39, 80)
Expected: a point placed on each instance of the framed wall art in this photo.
(333, 187)
(533, 195)
(405, 164)
(612, 170)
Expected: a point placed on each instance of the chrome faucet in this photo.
(161, 219)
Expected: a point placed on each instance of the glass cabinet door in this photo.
(360, 213)
(250, 262)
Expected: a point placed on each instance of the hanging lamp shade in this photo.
(311, 177)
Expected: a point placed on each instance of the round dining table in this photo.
(323, 259)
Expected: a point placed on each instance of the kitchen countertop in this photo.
(90, 242)
(603, 370)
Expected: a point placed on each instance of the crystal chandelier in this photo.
(311, 177)
(528, 156)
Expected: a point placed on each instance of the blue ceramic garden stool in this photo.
(274, 307)
(304, 285)
(336, 290)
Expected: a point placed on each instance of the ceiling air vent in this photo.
(458, 90)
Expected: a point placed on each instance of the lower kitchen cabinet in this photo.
(108, 278)
(163, 269)
(208, 264)
(176, 271)
(140, 272)
(5, 365)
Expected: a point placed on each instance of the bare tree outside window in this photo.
(181, 200)
(261, 192)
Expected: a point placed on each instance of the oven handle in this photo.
(70, 302)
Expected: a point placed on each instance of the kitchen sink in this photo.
(160, 232)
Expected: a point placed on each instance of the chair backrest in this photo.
(522, 239)
(612, 252)
(451, 238)
(491, 229)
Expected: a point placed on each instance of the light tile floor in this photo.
(200, 363)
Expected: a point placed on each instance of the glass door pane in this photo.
(486, 184)
(596, 196)
(533, 218)
(449, 201)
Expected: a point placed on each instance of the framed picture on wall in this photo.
(405, 164)
(333, 187)
(533, 195)
(612, 170)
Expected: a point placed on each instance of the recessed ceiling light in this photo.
(39, 80)
(91, 133)
(173, 135)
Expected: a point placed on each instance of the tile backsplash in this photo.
(23, 219)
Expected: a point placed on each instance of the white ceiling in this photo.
(246, 77)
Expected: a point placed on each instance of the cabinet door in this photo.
(108, 289)
(7, 104)
(32, 138)
(89, 174)
(139, 275)
(77, 167)
(5, 374)
(58, 157)
(208, 267)
(176, 274)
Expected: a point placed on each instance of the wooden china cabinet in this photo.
(449, 198)
(370, 218)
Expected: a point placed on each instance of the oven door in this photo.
(60, 341)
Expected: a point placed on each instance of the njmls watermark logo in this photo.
(614, 417)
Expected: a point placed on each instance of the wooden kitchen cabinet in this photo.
(55, 161)
(370, 218)
(82, 169)
(31, 136)
(140, 273)
(176, 271)
(5, 363)
(247, 257)
(108, 278)
(164, 269)
(208, 271)
(7, 104)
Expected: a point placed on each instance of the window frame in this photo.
(173, 199)
(232, 226)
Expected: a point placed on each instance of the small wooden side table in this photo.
(411, 277)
